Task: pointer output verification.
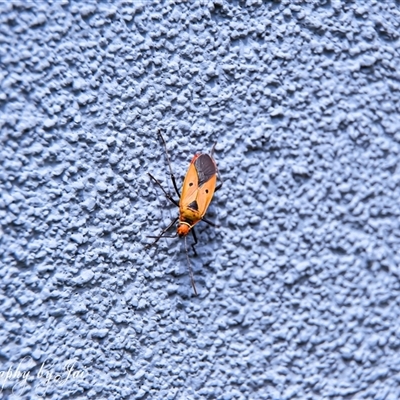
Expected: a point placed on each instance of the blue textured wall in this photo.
(298, 288)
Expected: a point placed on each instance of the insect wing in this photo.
(199, 186)
(207, 172)
(205, 167)
(190, 186)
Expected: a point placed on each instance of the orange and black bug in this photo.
(197, 191)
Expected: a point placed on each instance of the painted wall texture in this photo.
(298, 288)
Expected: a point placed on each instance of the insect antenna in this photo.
(161, 234)
(190, 269)
(162, 237)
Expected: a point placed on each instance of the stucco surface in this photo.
(298, 287)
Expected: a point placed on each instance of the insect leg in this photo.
(210, 223)
(212, 150)
(220, 182)
(219, 175)
(169, 197)
(195, 241)
(169, 165)
(161, 234)
(190, 269)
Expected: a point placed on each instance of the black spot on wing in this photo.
(205, 168)
(194, 206)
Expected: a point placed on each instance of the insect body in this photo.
(197, 191)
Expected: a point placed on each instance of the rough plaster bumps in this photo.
(298, 288)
